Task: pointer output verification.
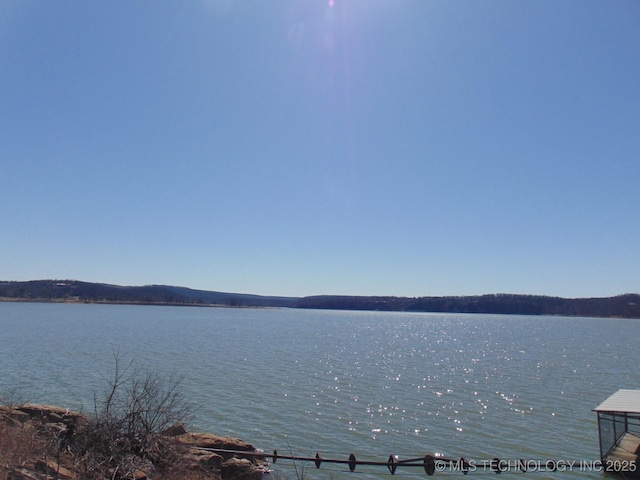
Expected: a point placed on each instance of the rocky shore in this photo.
(38, 442)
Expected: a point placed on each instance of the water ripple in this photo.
(363, 382)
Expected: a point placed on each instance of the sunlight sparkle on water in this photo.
(332, 3)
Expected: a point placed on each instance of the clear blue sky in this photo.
(301, 147)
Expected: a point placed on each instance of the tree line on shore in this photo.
(621, 306)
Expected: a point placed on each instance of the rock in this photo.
(47, 412)
(208, 440)
(13, 416)
(47, 427)
(140, 475)
(53, 469)
(233, 465)
(203, 459)
(175, 430)
(240, 469)
(50, 414)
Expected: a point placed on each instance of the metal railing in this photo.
(430, 463)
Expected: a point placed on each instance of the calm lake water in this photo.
(334, 382)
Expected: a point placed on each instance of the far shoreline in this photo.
(128, 302)
(79, 292)
(259, 307)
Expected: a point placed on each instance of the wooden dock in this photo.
(619, 432)
(623, 458)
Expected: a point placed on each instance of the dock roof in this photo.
(621, 401)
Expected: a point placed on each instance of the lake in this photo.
(337, 382)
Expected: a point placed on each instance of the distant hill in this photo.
(621, 306)
(73, 290)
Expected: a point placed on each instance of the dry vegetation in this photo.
(19, 445)
(135, 432)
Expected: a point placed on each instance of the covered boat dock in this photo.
(619, 431)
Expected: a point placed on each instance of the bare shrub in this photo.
(122, 438)
(124, 433)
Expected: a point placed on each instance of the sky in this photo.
(307, 147)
